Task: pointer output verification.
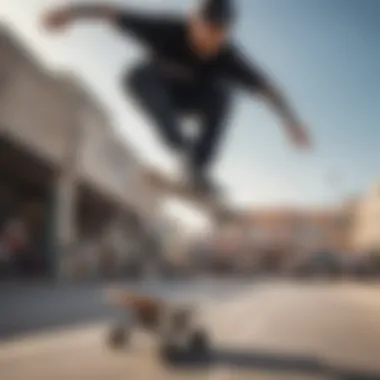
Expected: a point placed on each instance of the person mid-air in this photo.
(191, 70)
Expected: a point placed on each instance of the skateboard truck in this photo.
(174, 326)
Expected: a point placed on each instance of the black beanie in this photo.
(220, 12)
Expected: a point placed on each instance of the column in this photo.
(66, 187)
(65, 201)
(61, 224)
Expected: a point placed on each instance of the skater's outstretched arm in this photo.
(144, 27)
(276, 99)
(63, 17)
(245, 73)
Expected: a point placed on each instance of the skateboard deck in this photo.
(173, 324)
(148, 310)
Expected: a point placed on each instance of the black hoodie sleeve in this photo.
(148, 29)
(240, 70)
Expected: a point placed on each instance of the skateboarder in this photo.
(190, 70)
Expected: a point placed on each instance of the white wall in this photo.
(33, 109)
(107, 163)
(57, 118)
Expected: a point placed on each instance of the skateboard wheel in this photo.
(198, 342)
(171, 353)
(196, 349)
(118, 337)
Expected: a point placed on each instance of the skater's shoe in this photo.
(197, 180)
(203, 185)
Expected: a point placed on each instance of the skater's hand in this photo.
(57, 19)
(299, 135)
(297, 132)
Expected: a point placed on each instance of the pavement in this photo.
(264, 330)
(32, 307)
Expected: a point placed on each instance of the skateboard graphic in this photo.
(174, 326)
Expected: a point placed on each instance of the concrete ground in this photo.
(265, 331)
(29, 308)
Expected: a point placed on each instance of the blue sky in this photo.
(325, 56)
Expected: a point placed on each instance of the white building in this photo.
(56, 139)
(367, 221)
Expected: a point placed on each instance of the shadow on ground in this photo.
(264, 361)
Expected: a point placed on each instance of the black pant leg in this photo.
(155, 96)
(213, 107)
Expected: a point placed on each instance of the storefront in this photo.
(25, 212)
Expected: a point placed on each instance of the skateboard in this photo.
(173, 326)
